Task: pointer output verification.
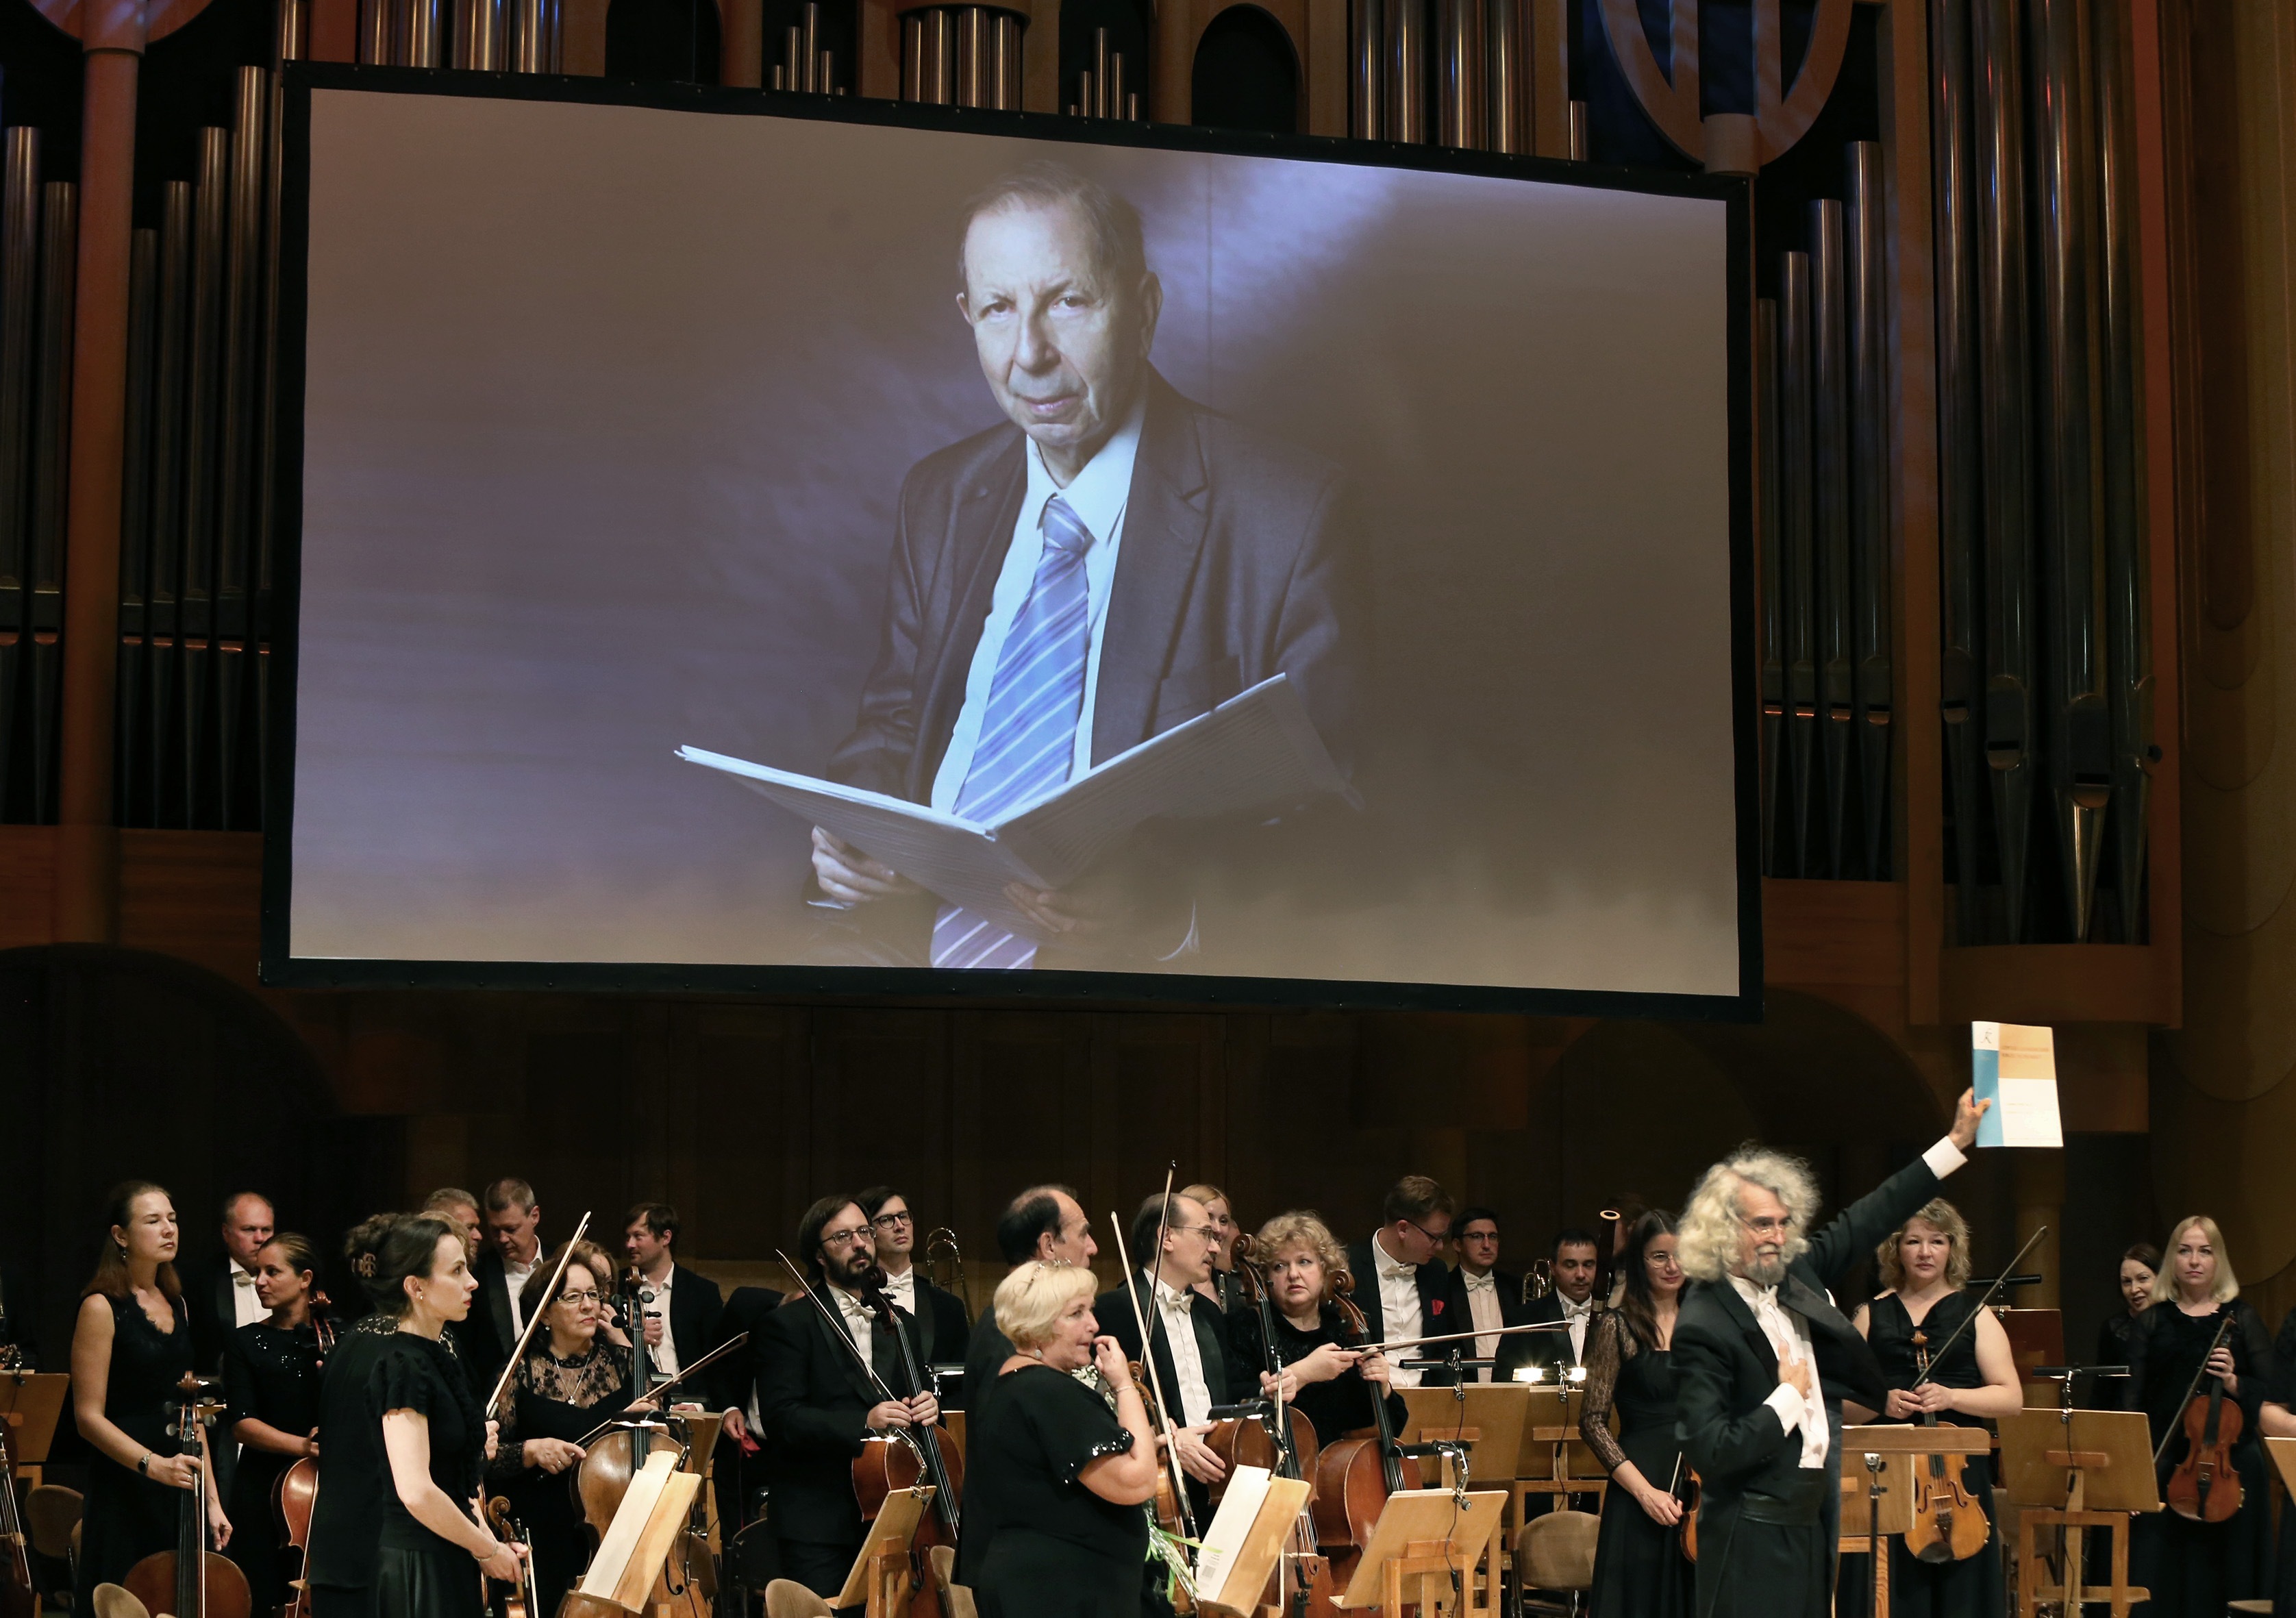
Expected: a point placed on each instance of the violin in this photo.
(882, 1466)
(18, 1598)
(293, 1497)
(1355, 1476)
(1947, 1526)
(1687, 1530)
(524, 1598)
(2205, 1486)
(191, 1581)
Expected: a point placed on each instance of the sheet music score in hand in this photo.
(1256, 752)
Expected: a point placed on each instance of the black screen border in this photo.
(278, 967)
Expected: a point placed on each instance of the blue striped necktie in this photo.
(1027, 732)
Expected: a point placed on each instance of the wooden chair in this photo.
(52, 1524)
(1555, 1554)
(787, 1598)
(955, 1599)
(113, 1601)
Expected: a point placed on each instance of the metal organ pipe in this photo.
(1830, 469)
(1866, 250)
(1797, 545)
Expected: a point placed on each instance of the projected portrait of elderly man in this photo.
(1109, 560)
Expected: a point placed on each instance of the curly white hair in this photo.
(1709, 1233)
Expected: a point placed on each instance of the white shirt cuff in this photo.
(1787, 1403)
(1944, 1157)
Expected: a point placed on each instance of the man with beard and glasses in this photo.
(818, 1404)
(1762, 1360)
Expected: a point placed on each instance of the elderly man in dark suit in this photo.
(1401, 1283)
(819, 1402)
(1110, 562)
(1043, 1223)
(1172, 1240)
(1763, 1357)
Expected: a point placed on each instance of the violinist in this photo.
(1330, 1381)
(1195, 1362)
(2140, 1267)
(1044, 1225)
(2194, 1568)
(576, 1373)
(271, 1373)
(1639, 1569)
(131, 1345)
(942, 1331)
(1971, 1380)
(1052, 1522)
(432, 1435)
(817, 1402)
(1221, 1290)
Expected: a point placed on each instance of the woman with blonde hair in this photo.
(1924, 1309)
(1330, 1381)
(1055, 1478)
(2193, 1569)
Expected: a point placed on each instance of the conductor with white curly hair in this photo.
(1763, 1357)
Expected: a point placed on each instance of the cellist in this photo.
(2196, 1568)
(1331, 1382)
(1917, 1327)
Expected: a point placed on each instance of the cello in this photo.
(1302, 1583)
(296, 1491)
(943, 1471)
(1947, 1524)
(191, 1581)
(1355, 1475)
(2205, 1486)
(18, 1598)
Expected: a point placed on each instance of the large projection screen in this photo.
(1333, 589)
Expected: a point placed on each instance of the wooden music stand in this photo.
(636, 1544)
(879, 1580)
(2037, 1337)
(1423, 1537)
(1554, 1459)
(1901, 1448)
(2077, 1470)
(2282, 1452)
(1490, 1421)
(1247, 1575)
(31, 1402)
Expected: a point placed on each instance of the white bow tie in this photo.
(239, 1277)
(1571, 1311)
(1178, 1303)
(1485, 1282)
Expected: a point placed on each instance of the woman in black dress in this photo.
(572, 1378)
(1972, 1379)
(1054, 1479)
(2193, 1569)
(2140, 1268)
(433, 1436)
(1330, 1381)
(1639, 1569)
(353, 1475)
(131, 1345)
(271, 1372)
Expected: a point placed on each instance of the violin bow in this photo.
(2177, 1425)
(1155, 1378)
(707, 1361)
(535, 1319)
(1983, 1304)
(1504, 1331)
(837, 1330)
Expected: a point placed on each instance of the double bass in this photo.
(193, 1580)
(1947, 1524)
(18, 1598)
(1301, 1585)
(1355, 1475)
(2205, 1486)
(884, 1467)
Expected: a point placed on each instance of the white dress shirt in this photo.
(514, 1279)
(1195, 1394)
(1575, 1316)
(857, 1321)
(663, 1355)
(1399, 1309)
(1483, 1311)
(903, 1289)
(246, 1306)
(1098, 496)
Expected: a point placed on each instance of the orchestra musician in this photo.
(513, 1247)
(1924, 1271)
(1762, 1360)
(1331, 1380)
(1639, 1569)
(432, 1432)
(2194, 1568)
(1222, 1292)
(943, 1329)
(2140, 1267)
(818, 1405)
(271, 1373)
(1056, 1478)
(472, 1338)
(574, 1374)
(338, 1562)
(1045, 1225)
(220, 1293)
(131, 1345)
(1483, 1297)
(1570, 1304)
(1194, 1361)
(681, 1313)
(459, 1209)
(1407, 1295)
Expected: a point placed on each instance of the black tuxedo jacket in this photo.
(695, 1307)
(987, 1350)
(815, 1401)
(942, 1331)
(207, 1295)
(1460, 1317)
(1726, 1370)
(490, 1333)
(1440, 1314)
(1551, 1350)
(1238, 562)
(747, 1309)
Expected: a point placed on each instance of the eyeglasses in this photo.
(1437, 1237)
(1663, 1261)
(854, 1238)
(579, 1298)
(1209, 1232)
(886, 1221)
(1766, 1226)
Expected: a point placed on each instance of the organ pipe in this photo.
(51, 461)
(1462, 90)
(19, 270)
(1772, 585)
(1797, 547)
(132, 748)
(1830, 481)
(240, 387)
(1864, 255)
(1960, 515)
(203, 441)
(1366, 81)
